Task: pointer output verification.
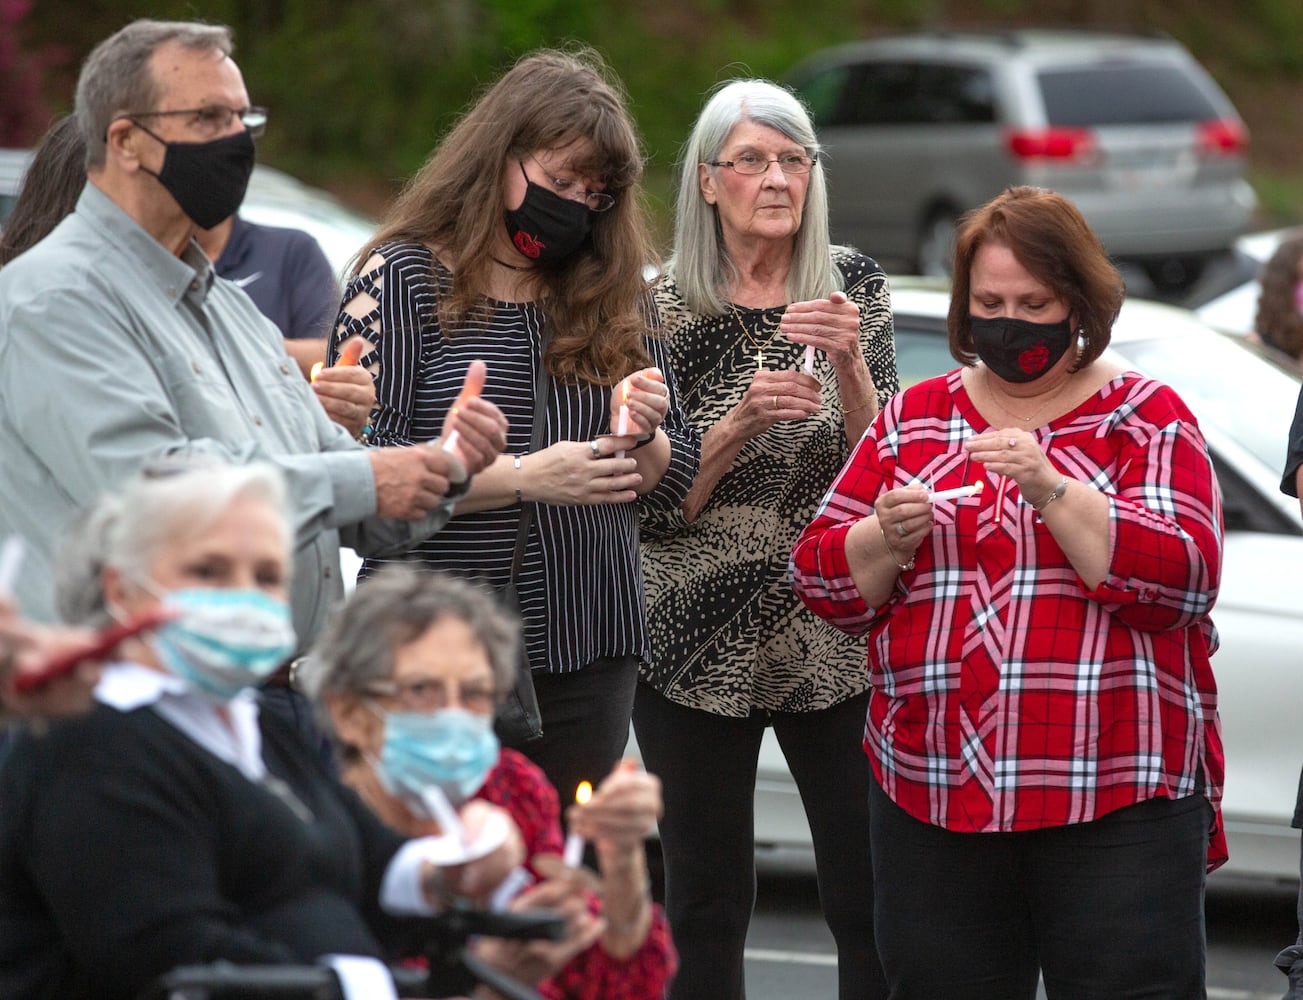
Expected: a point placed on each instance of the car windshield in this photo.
(1123, 94)
(1227, 385)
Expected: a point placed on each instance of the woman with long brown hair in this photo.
(522, 242)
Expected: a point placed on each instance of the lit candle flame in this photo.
(316, 370)
(584, 792)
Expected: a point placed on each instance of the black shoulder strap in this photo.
(542, 390)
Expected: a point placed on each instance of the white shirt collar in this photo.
(128, 686)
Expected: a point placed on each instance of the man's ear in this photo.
(122, 139)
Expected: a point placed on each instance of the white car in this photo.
(1244, 402)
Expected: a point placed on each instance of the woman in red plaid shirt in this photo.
(1043, 722)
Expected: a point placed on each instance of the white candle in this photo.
(11, 557)
(622, 424)
(450, 442)
(809, 359)
(573, 855)
(956, 493)
(442, 812)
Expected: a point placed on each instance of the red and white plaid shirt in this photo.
(1006, 695)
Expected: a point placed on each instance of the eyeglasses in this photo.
(216, 119)
(426, 694)
(597, 201)
(753, 163)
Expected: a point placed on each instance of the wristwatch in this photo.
(1055, 493)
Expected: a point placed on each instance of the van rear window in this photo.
(1123, 94)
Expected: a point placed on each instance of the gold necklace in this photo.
(990, 392)
(760, 348)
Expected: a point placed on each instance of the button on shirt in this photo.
(115, 352)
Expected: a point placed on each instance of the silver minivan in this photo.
(920, 128)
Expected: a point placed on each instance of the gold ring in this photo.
(597, 452)
(775, 402)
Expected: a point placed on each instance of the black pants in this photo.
(1107, 909)
(585, 723)
(707, 766)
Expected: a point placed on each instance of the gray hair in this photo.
(117, 78)
(128, 529)
(391, 609)
(700, 263)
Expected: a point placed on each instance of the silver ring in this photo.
(900, 530)
(597, 452)
(1013, 443)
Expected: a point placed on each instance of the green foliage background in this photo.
(360, 90)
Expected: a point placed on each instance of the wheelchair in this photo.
(452, 970)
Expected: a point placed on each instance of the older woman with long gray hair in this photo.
(783, 348)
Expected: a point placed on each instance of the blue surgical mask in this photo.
(224, 641)
(452, 748)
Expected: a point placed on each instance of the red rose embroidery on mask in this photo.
(530, 246)
(1033, 359)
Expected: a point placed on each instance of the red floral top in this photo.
(521, 788)
(1005, 694)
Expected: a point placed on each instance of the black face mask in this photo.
(547, 227)
(1018, 350)
(207, 179)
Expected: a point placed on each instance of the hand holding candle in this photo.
(622, 424)
(471, 388)
(350, 355)
(574, 849)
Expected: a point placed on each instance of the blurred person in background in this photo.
(50, 187)
(522, 241)
(752, 282)
(118, 307)
(287, 275)
(409, 674)
(1042, 723)
(176, 823)
(1279, 320)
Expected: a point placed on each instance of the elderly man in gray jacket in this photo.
(119, 347)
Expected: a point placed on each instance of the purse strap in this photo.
(542, 390)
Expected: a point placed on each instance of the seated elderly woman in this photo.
(173, 823)
(409, 675)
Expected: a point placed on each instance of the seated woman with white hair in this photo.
(175, 824)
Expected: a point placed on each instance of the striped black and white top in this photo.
(580, 587)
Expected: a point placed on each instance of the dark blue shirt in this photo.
(287, 275)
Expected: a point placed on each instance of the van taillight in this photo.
(1051, 143)
(1222, 137)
